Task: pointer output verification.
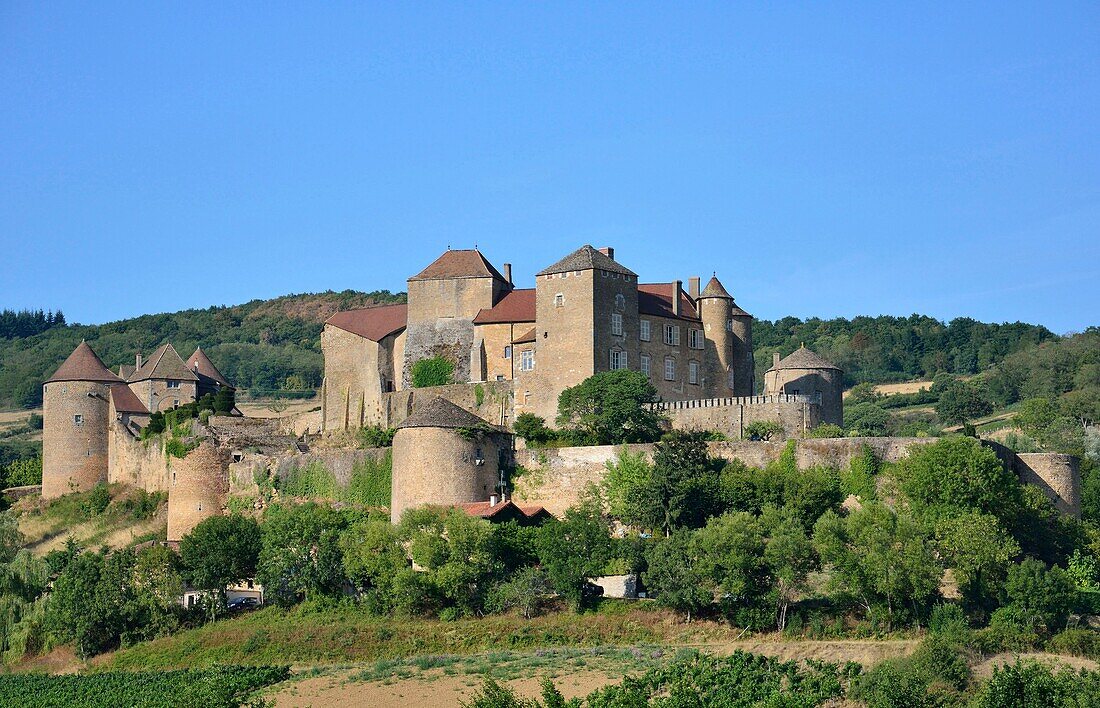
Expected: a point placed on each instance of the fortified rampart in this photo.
(493, 404)
(197, 488)
(1058, 475)
(135, 462)
(797, 414)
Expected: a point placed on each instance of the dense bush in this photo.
(433, 371)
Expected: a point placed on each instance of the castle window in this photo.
(672, 335)
(695, 338)
(643, 330)
(693, 372)
(173, 384)
(559, 300)
(644, 361)
(527, 360)
(670, 369)
(617, 324)
(620, 302)
(78, 419)
(618, 359)
(508, 352)
(729, 325)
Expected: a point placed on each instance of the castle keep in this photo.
(587, 313)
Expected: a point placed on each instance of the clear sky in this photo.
(826, 159)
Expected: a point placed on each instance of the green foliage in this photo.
(682, 488)
(673, 575)
(979, 550)
(1029, 683)
(300, 556)
(826, 430)
(375, 436)
(98, 500)
(23, 472)
(369, 484)
(809, 493)
(859, 478)
(935, 675)
(219, 687)
(479, 394)
(1038, 597)
(573, 549)
(532, 428)
(628, 477)
(762, 430)
(610, 408)
(373, 557)
(883, 560)
(220, 551)
(962, 401)
(730, 555)
(433, 371)
(866, 419)
(225, 400)
(957, 474)
(525, 591)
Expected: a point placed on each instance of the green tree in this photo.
(373, 556)
(730, 553)
(24, 472)
(762, 430)
(11, 539)
(433, 371)
(524, 590)
(866, 419)
(574, 549)
(683, 489)
(610, 408)
(225, 400)
(673, 576)
(157, 587)
(532, 428)
(1039, 597)
(300, 554)
(789, 555)
(957, 474)
(220, 551)
(979, 550)
(882, 559)
(962, 401)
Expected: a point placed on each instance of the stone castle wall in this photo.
(496, 398)
(439, 466)
(797, 414)
(135, 462)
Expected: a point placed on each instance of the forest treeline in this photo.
(275, 344)
(27, 323)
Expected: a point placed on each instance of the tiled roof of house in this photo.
(586, 258)
(528, 336)
(125, 400)
(459, 263)
(164, 364)
(126, 370)
(201, 365)
(803, 358)
(374, 323)
(441, 413)
(83, 365)
(486, 510)
(656, 299)
(516, 306)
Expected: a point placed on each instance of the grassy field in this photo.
(131, 516)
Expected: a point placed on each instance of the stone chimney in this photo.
(508, 272)
(607, 251)
(137, 361)
(693, 287)
(677, 291)
(775, 359)
(493, 500)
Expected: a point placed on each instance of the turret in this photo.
(729, 341)
(75, 413)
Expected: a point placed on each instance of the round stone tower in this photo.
(729, 330)
(804, 373)
(75, 412)
(198, 485)
(444, 455)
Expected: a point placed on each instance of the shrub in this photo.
(375, 436)
(762, 430)
(98, 500)
(826, 430)
(1078, 642)
(434, 371)
(532, 428)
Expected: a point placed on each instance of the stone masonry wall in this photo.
(137, 463)
(197, 488)
(495, 397)
(731, 415)
(74, 450)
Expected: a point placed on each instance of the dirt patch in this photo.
(984, 670)
(907, 387)
(62, 660)
(16, 417)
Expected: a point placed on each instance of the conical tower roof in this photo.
(83, 365)
(441, 413)
(803, 358)
(714, 289)
(587, 258)
(165, 363)
(200, 364)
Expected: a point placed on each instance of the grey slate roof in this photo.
(441, 413)
(803, 358)
(586, 258)
(164, 364)
(202, 367)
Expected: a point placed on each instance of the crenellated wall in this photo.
(797, 414)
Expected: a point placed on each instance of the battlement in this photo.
(736, 401)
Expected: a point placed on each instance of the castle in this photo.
(90, 413)
(587, 313)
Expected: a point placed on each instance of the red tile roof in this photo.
(374, 323)
(656, 299)
(528, 336)
(201, 365)
(516, 306)
(459, 264)
(485, 510)
(83, 365)
(125, 400)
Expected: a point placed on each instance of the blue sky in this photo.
(826, 159)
